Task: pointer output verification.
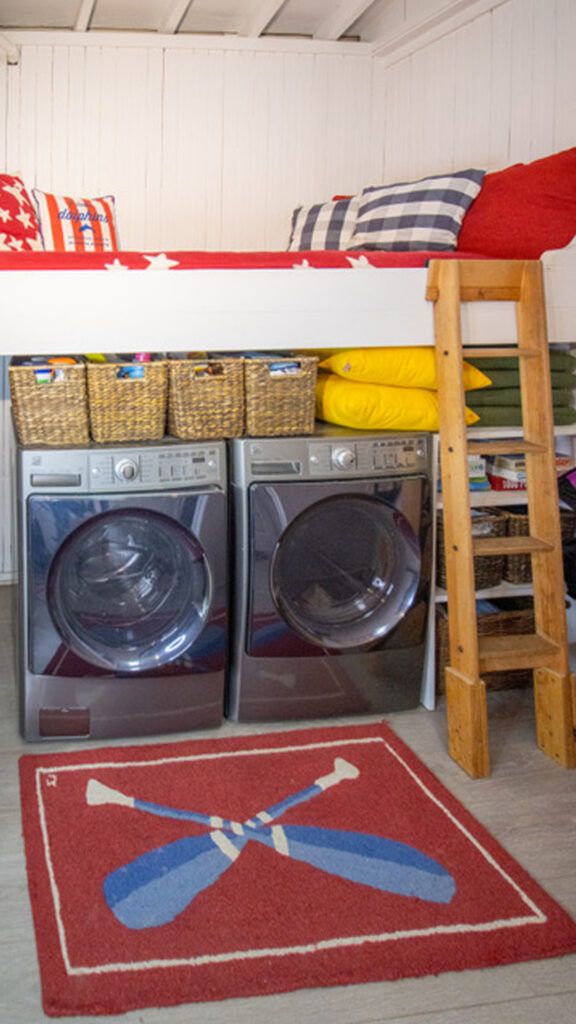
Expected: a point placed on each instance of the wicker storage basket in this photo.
(127, 408)
(54, 412)
(206, 399)
(488, 569)
(518, 568)
(515, 616)
(280, 403)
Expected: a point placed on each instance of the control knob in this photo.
(343, 458)
(126, 469)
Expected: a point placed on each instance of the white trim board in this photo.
(185, 41)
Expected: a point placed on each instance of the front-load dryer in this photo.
(123, 589)
(333, 541)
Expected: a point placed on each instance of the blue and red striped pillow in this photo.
(76, 225)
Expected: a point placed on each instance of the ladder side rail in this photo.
(460, 584)
(541, 480)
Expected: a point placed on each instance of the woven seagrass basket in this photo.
(280, 403)
(516, 616)
(54, 412)
(518, 568)
(206, 399)
(124, 407)
(488, 569)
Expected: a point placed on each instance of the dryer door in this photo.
(343, 570)
(129, 590)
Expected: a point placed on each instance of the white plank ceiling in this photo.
(323, 19)
(380, 23)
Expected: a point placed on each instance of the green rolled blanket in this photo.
(512, 396)
(511, 415)
(511, 378)
(560, 359)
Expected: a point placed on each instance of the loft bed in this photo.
(338, 285)
(69, 302)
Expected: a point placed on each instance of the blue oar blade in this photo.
(153, 889)
(381, 863)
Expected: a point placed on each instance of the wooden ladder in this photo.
(451, 282)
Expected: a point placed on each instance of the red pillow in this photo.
(524, 210)
(19, 230)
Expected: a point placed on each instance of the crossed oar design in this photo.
(157, 886)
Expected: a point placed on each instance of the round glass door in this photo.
(345, 571)
(129, 590)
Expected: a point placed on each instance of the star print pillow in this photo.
(76, 225)
(19, 229)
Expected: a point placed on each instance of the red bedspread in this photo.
(218, 260)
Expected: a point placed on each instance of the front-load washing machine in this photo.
(123, 589)
(333, 540)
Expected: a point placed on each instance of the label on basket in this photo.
(43, 375)
(137, 370)
(284, 369)
(208, 370)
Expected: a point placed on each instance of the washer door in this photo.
(129, 590)
(345, 571)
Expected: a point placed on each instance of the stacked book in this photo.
(477, 477)
(508, 472)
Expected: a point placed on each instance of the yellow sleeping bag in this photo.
(377, 406)
(409, 366)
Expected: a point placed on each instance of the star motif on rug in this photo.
(160, 262)
(5, 215)
(117, 265)
(302, 266)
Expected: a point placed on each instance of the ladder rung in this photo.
(500, 352)
(524, 650)
(523, 545)
(479, 280)
(505, 446)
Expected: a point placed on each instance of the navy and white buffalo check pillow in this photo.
(424, 214)
(324, 226)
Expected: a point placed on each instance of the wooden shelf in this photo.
(503, 589)
(485, 499)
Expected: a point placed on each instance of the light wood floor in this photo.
(528, 803)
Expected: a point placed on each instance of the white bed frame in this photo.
(55, 311)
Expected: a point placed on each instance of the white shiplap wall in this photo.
(212, 144)
(203, 147)
(498, 90)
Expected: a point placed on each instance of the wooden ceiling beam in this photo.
(413, 35)
(84, 15)
(341, 19)
(267, 10)
(176, 13)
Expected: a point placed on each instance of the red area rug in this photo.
(147, 889)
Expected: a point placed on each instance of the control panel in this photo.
(153, 468)
(141, 468)
(368, 456)
(315, 458)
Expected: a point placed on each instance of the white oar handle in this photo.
(342, 770)
(98, 793)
